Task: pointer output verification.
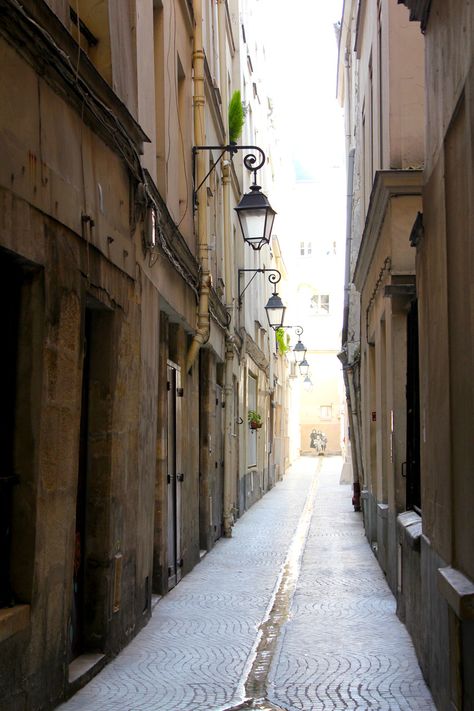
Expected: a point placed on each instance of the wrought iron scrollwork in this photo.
(253, 161)
(273, 276)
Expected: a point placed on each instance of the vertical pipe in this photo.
(203, 325)
(229, 272)
(347, 272)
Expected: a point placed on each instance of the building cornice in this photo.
(174, 248)
(172, 244)
(387, 185)
(256, 354)
(40, 37)
(218, 309)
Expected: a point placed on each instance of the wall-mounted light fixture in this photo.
(255, 213)
(275, 307)
(307, 384)
(299, 351)
(304, 368)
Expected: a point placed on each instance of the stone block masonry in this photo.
(340, 647)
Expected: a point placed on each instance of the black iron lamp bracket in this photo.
(253, 161)
(299, 330)
(274, 276)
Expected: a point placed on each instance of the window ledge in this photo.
(13, 620)
(410, 526)
(458, 590)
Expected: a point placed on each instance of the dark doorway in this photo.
(91, 607)
(413, 489)
(217, 463)
(77, 614)
(174, 474)
(10, 294)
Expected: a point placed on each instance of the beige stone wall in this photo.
(444, 265)
(388, 105)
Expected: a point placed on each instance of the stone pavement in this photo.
(291, 613)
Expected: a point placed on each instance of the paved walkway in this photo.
(292, 613)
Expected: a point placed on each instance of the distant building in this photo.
(315, 261)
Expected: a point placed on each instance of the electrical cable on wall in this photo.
(114, 128)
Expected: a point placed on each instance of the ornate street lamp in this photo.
(255, 213)
(275, 311)
(299, 350)
(307, 384)
(275, 307)
(256, 217)
(304, 368)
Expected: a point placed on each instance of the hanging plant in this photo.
(236, 116)
(282, 341)
(255, 420)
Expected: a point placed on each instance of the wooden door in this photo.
(175, 476)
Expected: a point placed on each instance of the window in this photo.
(325, 412)
(320, 303)
(305, 249)
(89, 24)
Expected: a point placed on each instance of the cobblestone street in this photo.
(293, 613)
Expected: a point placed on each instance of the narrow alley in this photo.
(293, 612)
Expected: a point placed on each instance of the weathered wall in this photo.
(70, 273)
(445, 262)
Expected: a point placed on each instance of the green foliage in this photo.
(282, 341)
(254, 416)
(236, 116)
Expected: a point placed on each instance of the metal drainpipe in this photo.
(203, 321)
(228, 516)
(347, 271)
(347, 369)
(354, 414)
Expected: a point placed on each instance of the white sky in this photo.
(300, 77)
(301, 51)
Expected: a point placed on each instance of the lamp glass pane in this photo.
(252, 223)
(275, 309)
(300, 352)
(304, 367)
(270, 217)
(275, 317)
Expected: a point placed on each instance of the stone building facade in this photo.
(123, 456)
(408, 326)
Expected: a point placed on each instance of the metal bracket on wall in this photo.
(274, 277)
(251, 162)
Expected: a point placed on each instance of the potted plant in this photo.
(255, 420)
